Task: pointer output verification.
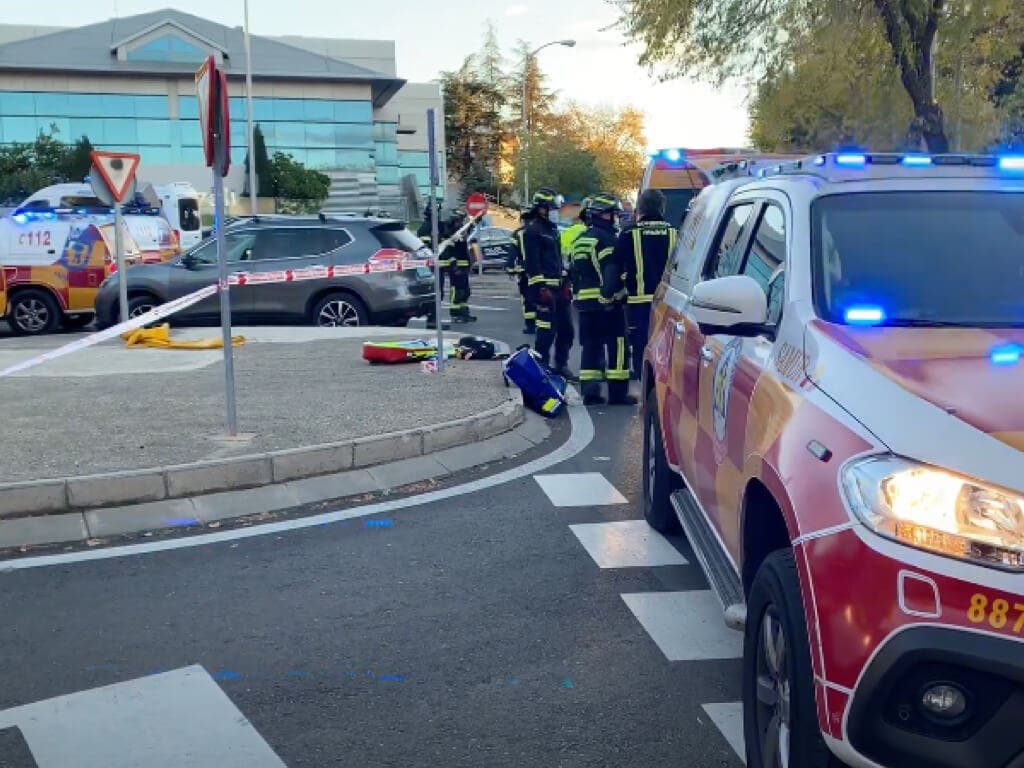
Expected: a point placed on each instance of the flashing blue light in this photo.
(851, 161)
(20, 218)
(917, 161)
(1011, 163)
(1005, 355)
(819, 160)
(864, 315)
(673, 155)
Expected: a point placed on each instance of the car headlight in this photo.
(930, 508)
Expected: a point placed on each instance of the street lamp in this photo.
(253, 190)
(526, 113)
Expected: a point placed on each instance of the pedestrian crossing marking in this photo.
(728, 718)
(626, 544)
(687, 626)
(167, 720)
(579, 489)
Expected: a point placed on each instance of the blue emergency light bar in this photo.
(849, 165)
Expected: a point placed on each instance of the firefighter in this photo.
(642, 251)
(602, 319)
(443, 264)
(547, 281)
(459, 267)
(514, 269)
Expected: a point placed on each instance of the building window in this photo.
(170, 48)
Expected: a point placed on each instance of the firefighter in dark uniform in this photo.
(515, 270)
(426, 237)
(642, 251)
(602, 319)
(548, 283)
(459, 269)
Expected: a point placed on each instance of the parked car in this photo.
(832, 414)
(491, 245)
(277, 243)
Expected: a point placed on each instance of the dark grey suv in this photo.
(276, 243)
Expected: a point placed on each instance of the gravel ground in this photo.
(289, 395)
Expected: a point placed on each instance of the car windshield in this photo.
(921, 258)
(676, 203)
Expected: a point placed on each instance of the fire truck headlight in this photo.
(933, 509)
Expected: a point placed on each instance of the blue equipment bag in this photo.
(542, 390)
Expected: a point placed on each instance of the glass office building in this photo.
(130, 87)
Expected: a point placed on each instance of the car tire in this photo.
(34, 312)
(659, 481)
(77, 322)
(780, 716)
(139, 305)
(340, 310)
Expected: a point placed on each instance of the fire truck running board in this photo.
(713, 561)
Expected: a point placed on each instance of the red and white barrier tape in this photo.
(182, 302)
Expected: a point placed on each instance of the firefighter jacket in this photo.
(514, 259)
(426, 238)
(593, 265)
(641, 253)
(542, 257)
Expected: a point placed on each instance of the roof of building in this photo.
(93, 49)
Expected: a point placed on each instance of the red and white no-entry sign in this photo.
(476, 204)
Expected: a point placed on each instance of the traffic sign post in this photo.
(112, 177)
(434, 214)
(476, 207)
(215, 123)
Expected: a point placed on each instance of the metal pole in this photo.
(434, 212)
(225, 304)
(526, 134)
(253, 185)
(122, 278)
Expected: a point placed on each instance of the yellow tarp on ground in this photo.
(160, 337)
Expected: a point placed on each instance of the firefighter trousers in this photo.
(529, 307)
(458, 304)
(603, 337)
(638, 323)
(554, 328)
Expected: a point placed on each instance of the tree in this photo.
(614, 138)
(758, 38)
(78, 159)
(264, 170)
(472, 121)
(25, 168)
(294, 183)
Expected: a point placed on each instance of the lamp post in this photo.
(253, 186)
(526, 113)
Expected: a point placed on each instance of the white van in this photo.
(179, 203)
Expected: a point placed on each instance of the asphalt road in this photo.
(478, 630)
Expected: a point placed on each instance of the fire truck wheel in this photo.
(659, 481)
(33, 311)
(780, 718)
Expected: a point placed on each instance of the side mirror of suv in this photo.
(735, 305)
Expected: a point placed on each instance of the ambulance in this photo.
(682, 173)
(58, 246)
(179, 204)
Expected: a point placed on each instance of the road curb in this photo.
(97, 524)
(34, 498)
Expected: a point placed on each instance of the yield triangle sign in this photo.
(117, 169)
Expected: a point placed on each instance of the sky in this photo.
(431, 37)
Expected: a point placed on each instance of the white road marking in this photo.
(169, 720)
(481, 306)
(626, 544)
(687, 626)
(580, 489)
(728, 718)
(579, 438)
